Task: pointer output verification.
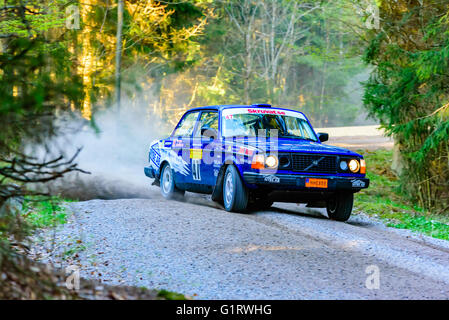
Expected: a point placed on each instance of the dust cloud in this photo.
(114, 150)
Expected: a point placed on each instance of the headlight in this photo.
(271, 161)
(354, 165)
(343, 165)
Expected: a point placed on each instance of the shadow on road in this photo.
(300, 211)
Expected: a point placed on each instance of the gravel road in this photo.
(290, 252)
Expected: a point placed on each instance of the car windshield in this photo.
(251, 125)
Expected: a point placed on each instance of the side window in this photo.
(185, 128)
(208, 120)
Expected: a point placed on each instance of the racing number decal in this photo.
(196, 155)
(196, 169)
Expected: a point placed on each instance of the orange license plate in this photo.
(316, 183)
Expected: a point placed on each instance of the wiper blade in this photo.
(297, 137)
(238, 136)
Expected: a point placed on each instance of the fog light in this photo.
(354, 165)
(271, 161)
(343, 165)
(362, 166)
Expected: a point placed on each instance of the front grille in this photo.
(314, 163)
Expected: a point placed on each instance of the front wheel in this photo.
(168, 187)
(235, 194)
(339, 207)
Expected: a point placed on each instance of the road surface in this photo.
(289, 252)
(358, 138)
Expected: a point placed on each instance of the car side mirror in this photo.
(212, 134)
(323, 136)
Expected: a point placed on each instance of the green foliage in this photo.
(36, 78)
(317, 59)
(384, 200)
(44, 213)
(408, 93)
(37, 83)
(47, 75)
(35, 18)
(424, 225)
(169, 295)
(72, 251)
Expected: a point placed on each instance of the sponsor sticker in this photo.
(196, 169)
(178, 143)
(196, 153)
(271, 179)
(358, 183)
(246, 151)
(266, 111)
(231, 112)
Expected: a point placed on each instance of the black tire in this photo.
(339, 207)
(235, 194)
(167, 184)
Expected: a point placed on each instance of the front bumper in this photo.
(298, 182)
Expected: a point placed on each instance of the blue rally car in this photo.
(248, 157)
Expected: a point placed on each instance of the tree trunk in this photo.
(323, 120)
(248, 68)
(118, 52)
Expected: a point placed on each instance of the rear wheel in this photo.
(339, 207)
(235, 194)
(168, 187)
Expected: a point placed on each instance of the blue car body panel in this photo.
(186, 158)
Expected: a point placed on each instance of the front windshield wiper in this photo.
(238, 136)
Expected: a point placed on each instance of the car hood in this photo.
(294, 145)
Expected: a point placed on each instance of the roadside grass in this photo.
(384, 200)
(73, 250)
(169, 295)
(44, 212)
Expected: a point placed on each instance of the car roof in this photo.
(228, 106)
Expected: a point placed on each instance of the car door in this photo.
(181, 145)
(205, 162)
